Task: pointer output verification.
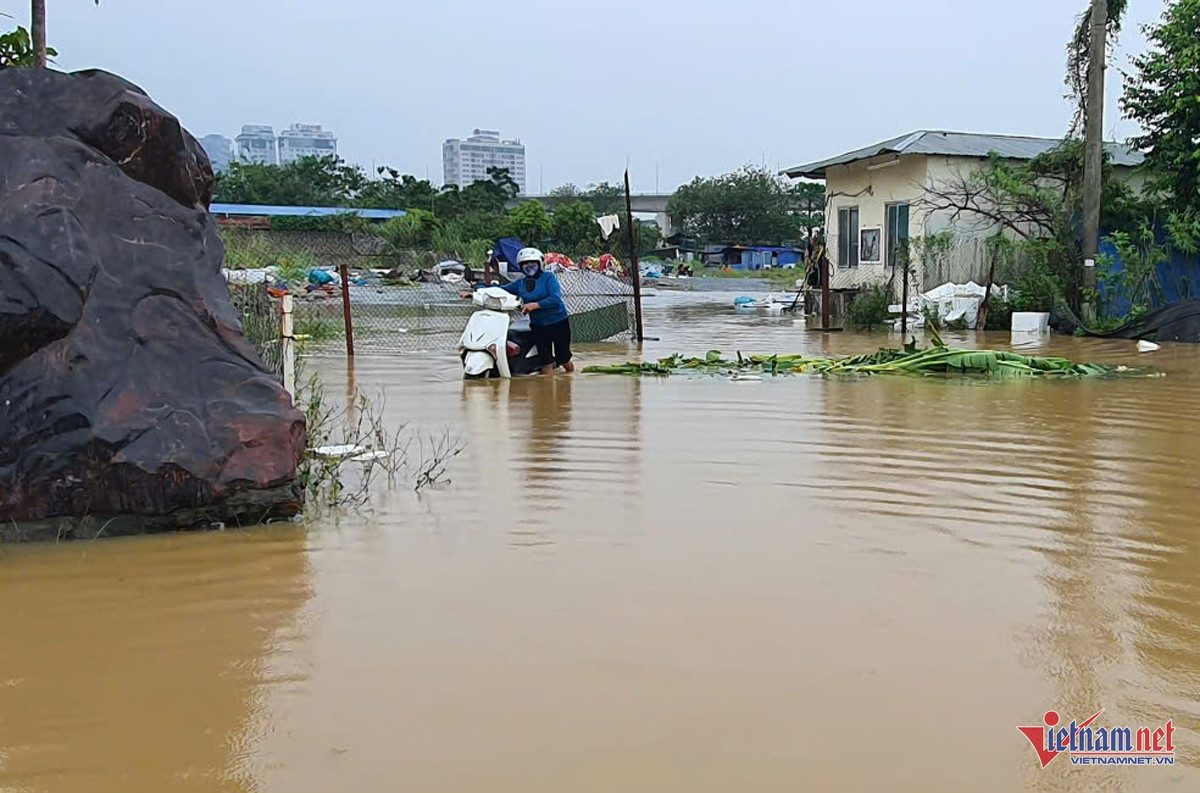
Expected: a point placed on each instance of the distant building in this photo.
(306, 140)
(467, 161)
(257, 144)
(219, 149)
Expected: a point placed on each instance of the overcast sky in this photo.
(675, 88)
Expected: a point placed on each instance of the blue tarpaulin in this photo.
(506, 250)
(1179, 277)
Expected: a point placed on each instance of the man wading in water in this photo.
(541, 298)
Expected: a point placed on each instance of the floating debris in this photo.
(938, 359)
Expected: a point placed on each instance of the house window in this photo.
(848, 237)
(897, 232)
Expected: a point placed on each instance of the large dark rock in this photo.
(129, 398)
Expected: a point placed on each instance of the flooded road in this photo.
(658, 584)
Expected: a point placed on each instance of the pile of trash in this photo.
(318, 283)
(951, 303)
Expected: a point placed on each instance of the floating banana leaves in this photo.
(938, 359)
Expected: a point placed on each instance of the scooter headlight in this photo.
(477, 362)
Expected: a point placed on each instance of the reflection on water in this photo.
(655, 584)
(140, 664)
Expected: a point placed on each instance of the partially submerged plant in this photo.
(938, 359)
(351, 449)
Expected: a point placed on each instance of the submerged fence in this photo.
(395, 301)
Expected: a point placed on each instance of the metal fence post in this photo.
(344, 272)
(634, 268)
(287, 345)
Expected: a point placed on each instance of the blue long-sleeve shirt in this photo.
(546, 292)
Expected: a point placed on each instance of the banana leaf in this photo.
(938, 359)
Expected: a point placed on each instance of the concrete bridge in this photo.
(642, 202)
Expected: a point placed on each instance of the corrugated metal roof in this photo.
(957, 144)
(257, 210)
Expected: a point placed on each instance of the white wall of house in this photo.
(871, 185)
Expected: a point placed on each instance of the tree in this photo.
(308, 181)
(1161, 95)
(502, 180)
(574, 230)
(808, 201)
(1037, 202)
(750, 206)
(605, 198)
(394, 190)
(648, 238)
(529, 221)
(567, 190)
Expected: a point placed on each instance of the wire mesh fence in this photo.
(398, 301)
(962, 259)
(260, 322)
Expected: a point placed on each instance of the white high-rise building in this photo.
(306, 140)
(256, 144)
(467, 161)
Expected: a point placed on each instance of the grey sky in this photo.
(696, 87)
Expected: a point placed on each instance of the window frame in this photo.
(848, 256)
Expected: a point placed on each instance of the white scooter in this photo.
(490, 346)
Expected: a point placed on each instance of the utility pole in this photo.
(37, 27)
(1093, 133)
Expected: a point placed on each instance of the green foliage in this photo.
(1137, 280)
(309, 181)
(412, 231)
(647, 235)
(16, 49)
(529, 221)
(336, 224)
(1163, 95)
(999, 314)
(1183, 230)
(574, 229)
(393, 190)
(749, 206)
(329, 181)
(1079, 54)
(1039, 284)
(869, 309)
(937, 359)
(804, 195)
(244, 252)
(1038, 204)
(605, 198)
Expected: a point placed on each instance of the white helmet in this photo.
(530, 255)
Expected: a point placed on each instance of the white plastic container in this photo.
(1030, 322)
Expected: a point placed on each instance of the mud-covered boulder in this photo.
(129, 398)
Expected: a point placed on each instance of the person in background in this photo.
(541, 298)
(816, 261)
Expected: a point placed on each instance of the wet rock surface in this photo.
(129, 399)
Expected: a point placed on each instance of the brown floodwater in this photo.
(659, 584)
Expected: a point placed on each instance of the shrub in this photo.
(869, 309)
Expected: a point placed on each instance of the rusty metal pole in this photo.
(344, 272)
(823, 263)
(633, 259)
